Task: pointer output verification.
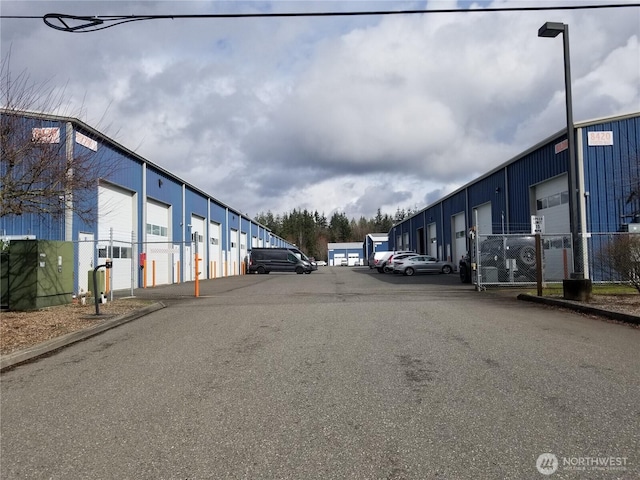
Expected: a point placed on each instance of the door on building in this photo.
(117, 212)
(552, 203)
(233, 252)
(460, 237)
(432, 236)
(198, 234)
(215, 261)
(86, 260)
(482, 215)
(159, 250)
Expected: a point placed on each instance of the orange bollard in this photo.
(153, 273)
(144, 273)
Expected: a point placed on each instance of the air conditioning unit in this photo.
(630, 227)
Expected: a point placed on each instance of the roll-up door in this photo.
(233, 252)
(215, 260)
(460, 237)
(432, 240)
(116, 222)
(198, 234)
(552, 203)
(243, 249)
(483, 214)
(159, 250)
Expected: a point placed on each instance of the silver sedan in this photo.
(422, 264)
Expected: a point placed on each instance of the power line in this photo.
(86, 24)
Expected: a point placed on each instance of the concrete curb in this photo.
(618, 316)
(31, 353)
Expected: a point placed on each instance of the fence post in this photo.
(134, 257)
(109, 276)
(539, 263)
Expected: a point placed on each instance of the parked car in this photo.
(386, 257)
(321, 263)
(422, 264)
(300, 254)
(266, 260)
(344, 262)
(375, 258)
(396, 258)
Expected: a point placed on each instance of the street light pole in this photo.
(550, 30)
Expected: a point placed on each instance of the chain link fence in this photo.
(612, 257)
(139, 265)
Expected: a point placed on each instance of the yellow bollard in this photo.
(153, 273)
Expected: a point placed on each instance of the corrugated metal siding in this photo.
(217, 213)
(196, 204)
(489, 189)
(536, 167)
(609, 172)
(42, 226)
(450, 207)
(168, 190)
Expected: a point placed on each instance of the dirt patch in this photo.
(629, 304)
(20, 330)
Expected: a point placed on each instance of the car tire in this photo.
(261, 270)
(380, 269)
(299, 270)
(527, 257)
(447, 269)
(409, 272)
(309, 272)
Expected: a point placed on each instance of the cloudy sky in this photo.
(346, 114)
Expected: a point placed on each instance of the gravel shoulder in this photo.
(20, 330)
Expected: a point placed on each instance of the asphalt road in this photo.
(344, 373)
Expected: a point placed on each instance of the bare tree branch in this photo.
(39, 173)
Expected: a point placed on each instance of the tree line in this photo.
(312, 231)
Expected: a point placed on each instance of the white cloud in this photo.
(340, 113)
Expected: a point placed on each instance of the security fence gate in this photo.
(502, 260)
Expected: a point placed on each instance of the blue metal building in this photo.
(535, 183)
(345, 254)
(149, 222)
(375, 242)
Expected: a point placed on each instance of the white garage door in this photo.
(159, 250)
(233, 252)
(552, 203)
(243, 248)
(198, 234)
(483, 214)
(432, 240)
(215, 261)
(116, 216)
(460, 237)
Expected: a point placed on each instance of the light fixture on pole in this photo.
(551, 30)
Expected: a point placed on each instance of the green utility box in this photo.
(100, 281)
(40, 274)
